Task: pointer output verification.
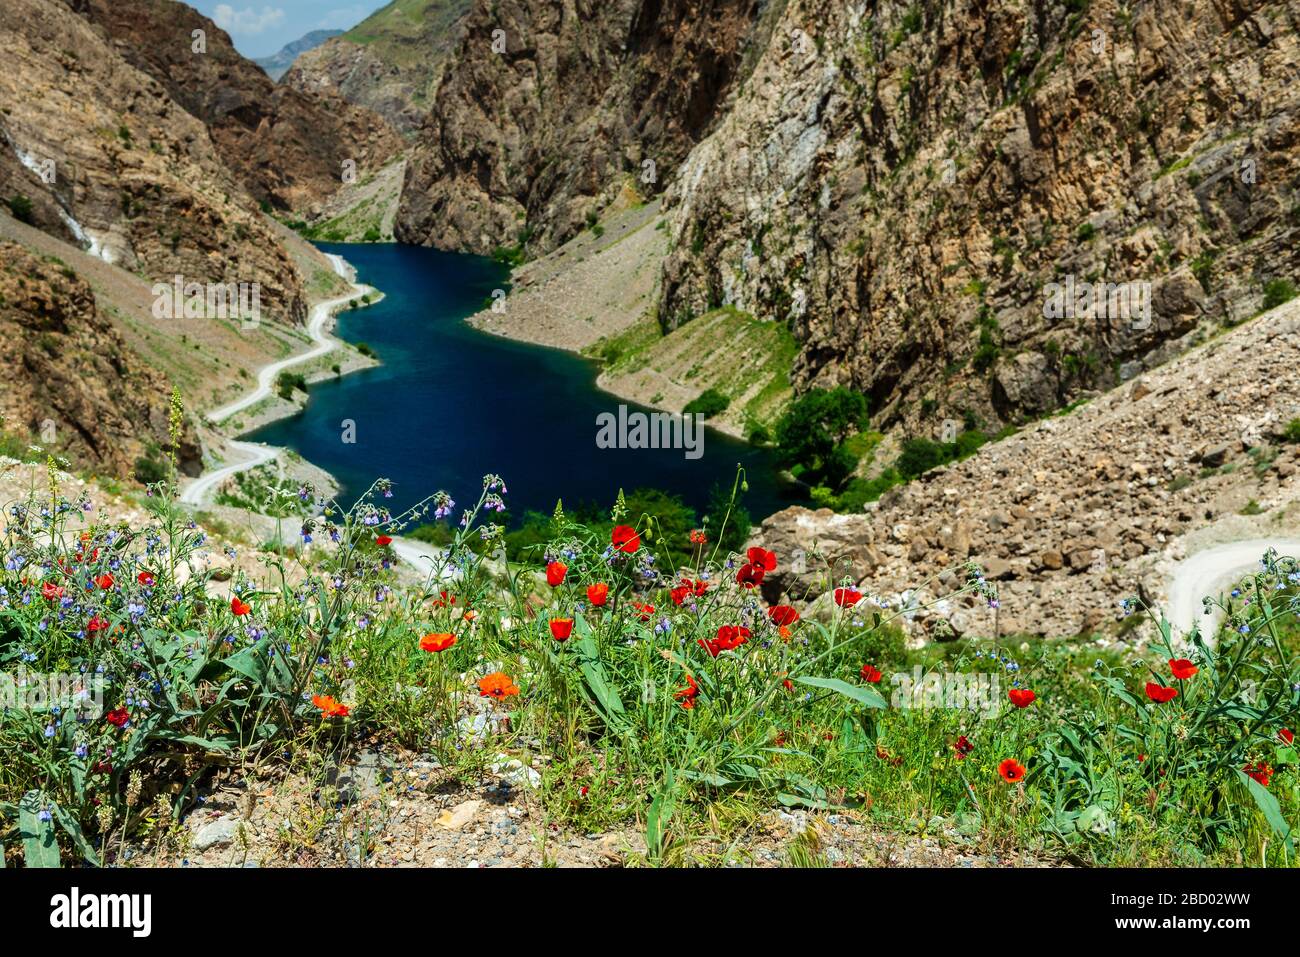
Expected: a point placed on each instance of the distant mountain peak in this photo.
(277, 64)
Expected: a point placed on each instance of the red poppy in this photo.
(787, 684)
(688, 589)
(688, 694)
(329, 708)
(643, 611)
(497, 685)
(383, 541)
(847, 597)
(782, 615)
(561, 628)
(96, 624)
(118, 717)
(239, 607)
(104, 581)
(145, 578)
(51, 591)
(963, 747)
(1159, 693)
(698, 537)
(443, 601)
(1259, 771)
(1011, 770)
(439, 641)
(598, 594)
(750, 575)
(625, 538)
(870, 674)
(762, 558)
(1286, 736)
(1021, 697)
(731, 637)
(1182, 668)
(555, 572)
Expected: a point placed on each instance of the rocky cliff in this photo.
(288, 148)
(71, 384)
(549, 111)
(96, 152)
(391, 62)
(966, 209)
(901, 183)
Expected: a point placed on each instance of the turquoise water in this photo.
(450, 404)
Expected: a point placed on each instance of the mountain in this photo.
(287, 147)
(277, 64)
(70, 379)
(96, 152)
(391, 62)
(546, 112)
(899, 185)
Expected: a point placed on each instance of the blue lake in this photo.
(450, 404)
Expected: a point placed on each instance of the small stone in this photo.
(216, 833)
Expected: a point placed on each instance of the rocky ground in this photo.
(1082, 509)
(386, 808)
(592, 287)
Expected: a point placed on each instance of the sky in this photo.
(261, 28)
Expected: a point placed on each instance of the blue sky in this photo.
(261, 27)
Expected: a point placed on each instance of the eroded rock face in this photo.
(70, 379)
(1076, 512)
(396, 71)
(551, 130)
(134, 178)
(286, 146)
(901, 184)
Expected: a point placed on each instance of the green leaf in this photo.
(73, 829)
(858, 693)
(659, 814)
(40, 849)
(1272, 810)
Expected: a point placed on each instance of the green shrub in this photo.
(21, 208)
(1277, 292)
(708, 403)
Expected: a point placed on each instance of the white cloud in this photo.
(247, 22)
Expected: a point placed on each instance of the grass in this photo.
(726, 351)
(667, 697)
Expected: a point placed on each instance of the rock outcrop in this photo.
(902, 185)
(548, 111)
(96, 152)
(288, 148)
(391, 62)
(71, 384)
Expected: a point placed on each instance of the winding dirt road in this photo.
(255, 454)
(1206, 573)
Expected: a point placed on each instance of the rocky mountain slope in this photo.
(277, 64)
(70, 379)
(547, 111)
(391, 62)
(1080, 509)
(899, 184)
(288, 148)
(96, 152)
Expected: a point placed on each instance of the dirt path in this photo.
(1205, 573)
